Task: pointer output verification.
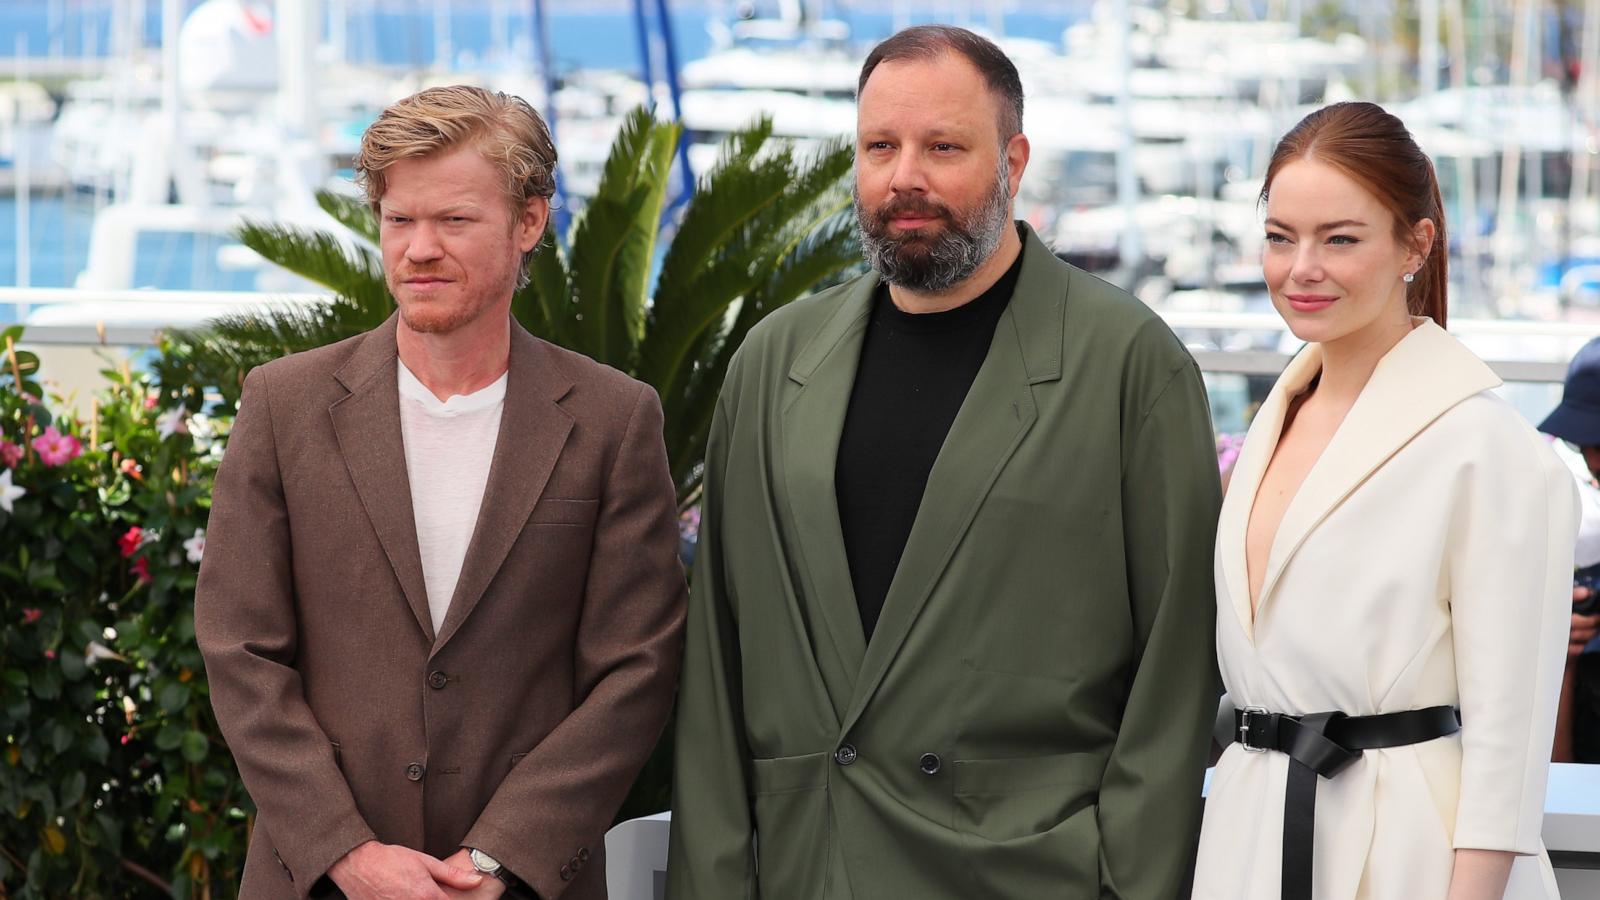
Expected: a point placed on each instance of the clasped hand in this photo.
(375, 871)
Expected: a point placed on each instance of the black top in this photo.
(915, 371)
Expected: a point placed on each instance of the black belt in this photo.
(1324, 744)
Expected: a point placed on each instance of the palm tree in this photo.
(764, 227)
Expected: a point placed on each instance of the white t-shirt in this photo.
(1588, 547)
(449, 445)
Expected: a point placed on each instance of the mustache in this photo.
(919, 207)
(409, 273)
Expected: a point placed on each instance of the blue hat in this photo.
(1577, 418)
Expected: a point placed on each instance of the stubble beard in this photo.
(937, 262)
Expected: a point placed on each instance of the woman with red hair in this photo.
(1394, 564)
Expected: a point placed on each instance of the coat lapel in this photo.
(533, 431)
(367, 424)
(998, 412)
(1418, 380)
(1248, 470)
(813, 423)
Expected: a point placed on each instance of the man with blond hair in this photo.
(441, 606)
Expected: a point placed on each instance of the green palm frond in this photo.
(351, 212)
(613, 241)
(544, 306)
(321, 257)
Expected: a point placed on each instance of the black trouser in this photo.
(1586, 709)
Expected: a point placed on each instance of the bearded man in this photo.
(441, 605)
(950, 631)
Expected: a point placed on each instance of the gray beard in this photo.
(935, 265)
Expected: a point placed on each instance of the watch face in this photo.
(483, 862)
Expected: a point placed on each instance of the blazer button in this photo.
(437, 680)
(566, 873)
(414, 771)
(929, 763)
(583, 854)
(845, 755)
(575, 864)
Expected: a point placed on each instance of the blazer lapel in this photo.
(813, 422)
(1418, 380)
(1260, 444)
(533, 431)
(367, 424)
(998, 412)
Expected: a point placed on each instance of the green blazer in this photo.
(1031, 717)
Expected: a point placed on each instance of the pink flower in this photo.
(150, 402)
(31, 615)
(56, 448)
(10, 454)
(130, 542)
(141, 568)
(131, 468)
(49, 654)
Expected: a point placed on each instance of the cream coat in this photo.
(1426, 560)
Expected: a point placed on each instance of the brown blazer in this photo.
(519, 727)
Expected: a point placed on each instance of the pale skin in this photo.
(943, 145)
(452, 249)
(1334, 268)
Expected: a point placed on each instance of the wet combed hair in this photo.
(504, 128)
(930, 41)
(1374, 149)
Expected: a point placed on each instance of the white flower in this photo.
(173, 421)
(196, 546)
(97, 652)
(8, 491)
(148, 536)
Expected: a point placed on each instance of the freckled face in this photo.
(1331, 259)
(451, 250)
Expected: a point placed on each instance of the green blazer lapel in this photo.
(533, 431)
(813, 420)
(1418, 380)
(996, 415)
(367, 425)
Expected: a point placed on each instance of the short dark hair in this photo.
(928, 41)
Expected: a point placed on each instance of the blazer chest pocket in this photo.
(562, 511)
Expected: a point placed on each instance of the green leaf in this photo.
(174, 697)
(169, 737)
(351, 212)
(195, 746)
(72, 789)
(72, 664)
(60, 738)
(47, 683)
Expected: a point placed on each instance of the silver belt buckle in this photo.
(1244, 728)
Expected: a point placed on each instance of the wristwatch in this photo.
(488, 865)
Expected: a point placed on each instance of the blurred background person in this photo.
(1576, 422)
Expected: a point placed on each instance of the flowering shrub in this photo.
(114, 781)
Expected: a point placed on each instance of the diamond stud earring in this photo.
(1409, 277)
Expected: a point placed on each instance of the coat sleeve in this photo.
(560, 799)
(245, 624)
(1149, 807)
(1510, 581)
(712, 849)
